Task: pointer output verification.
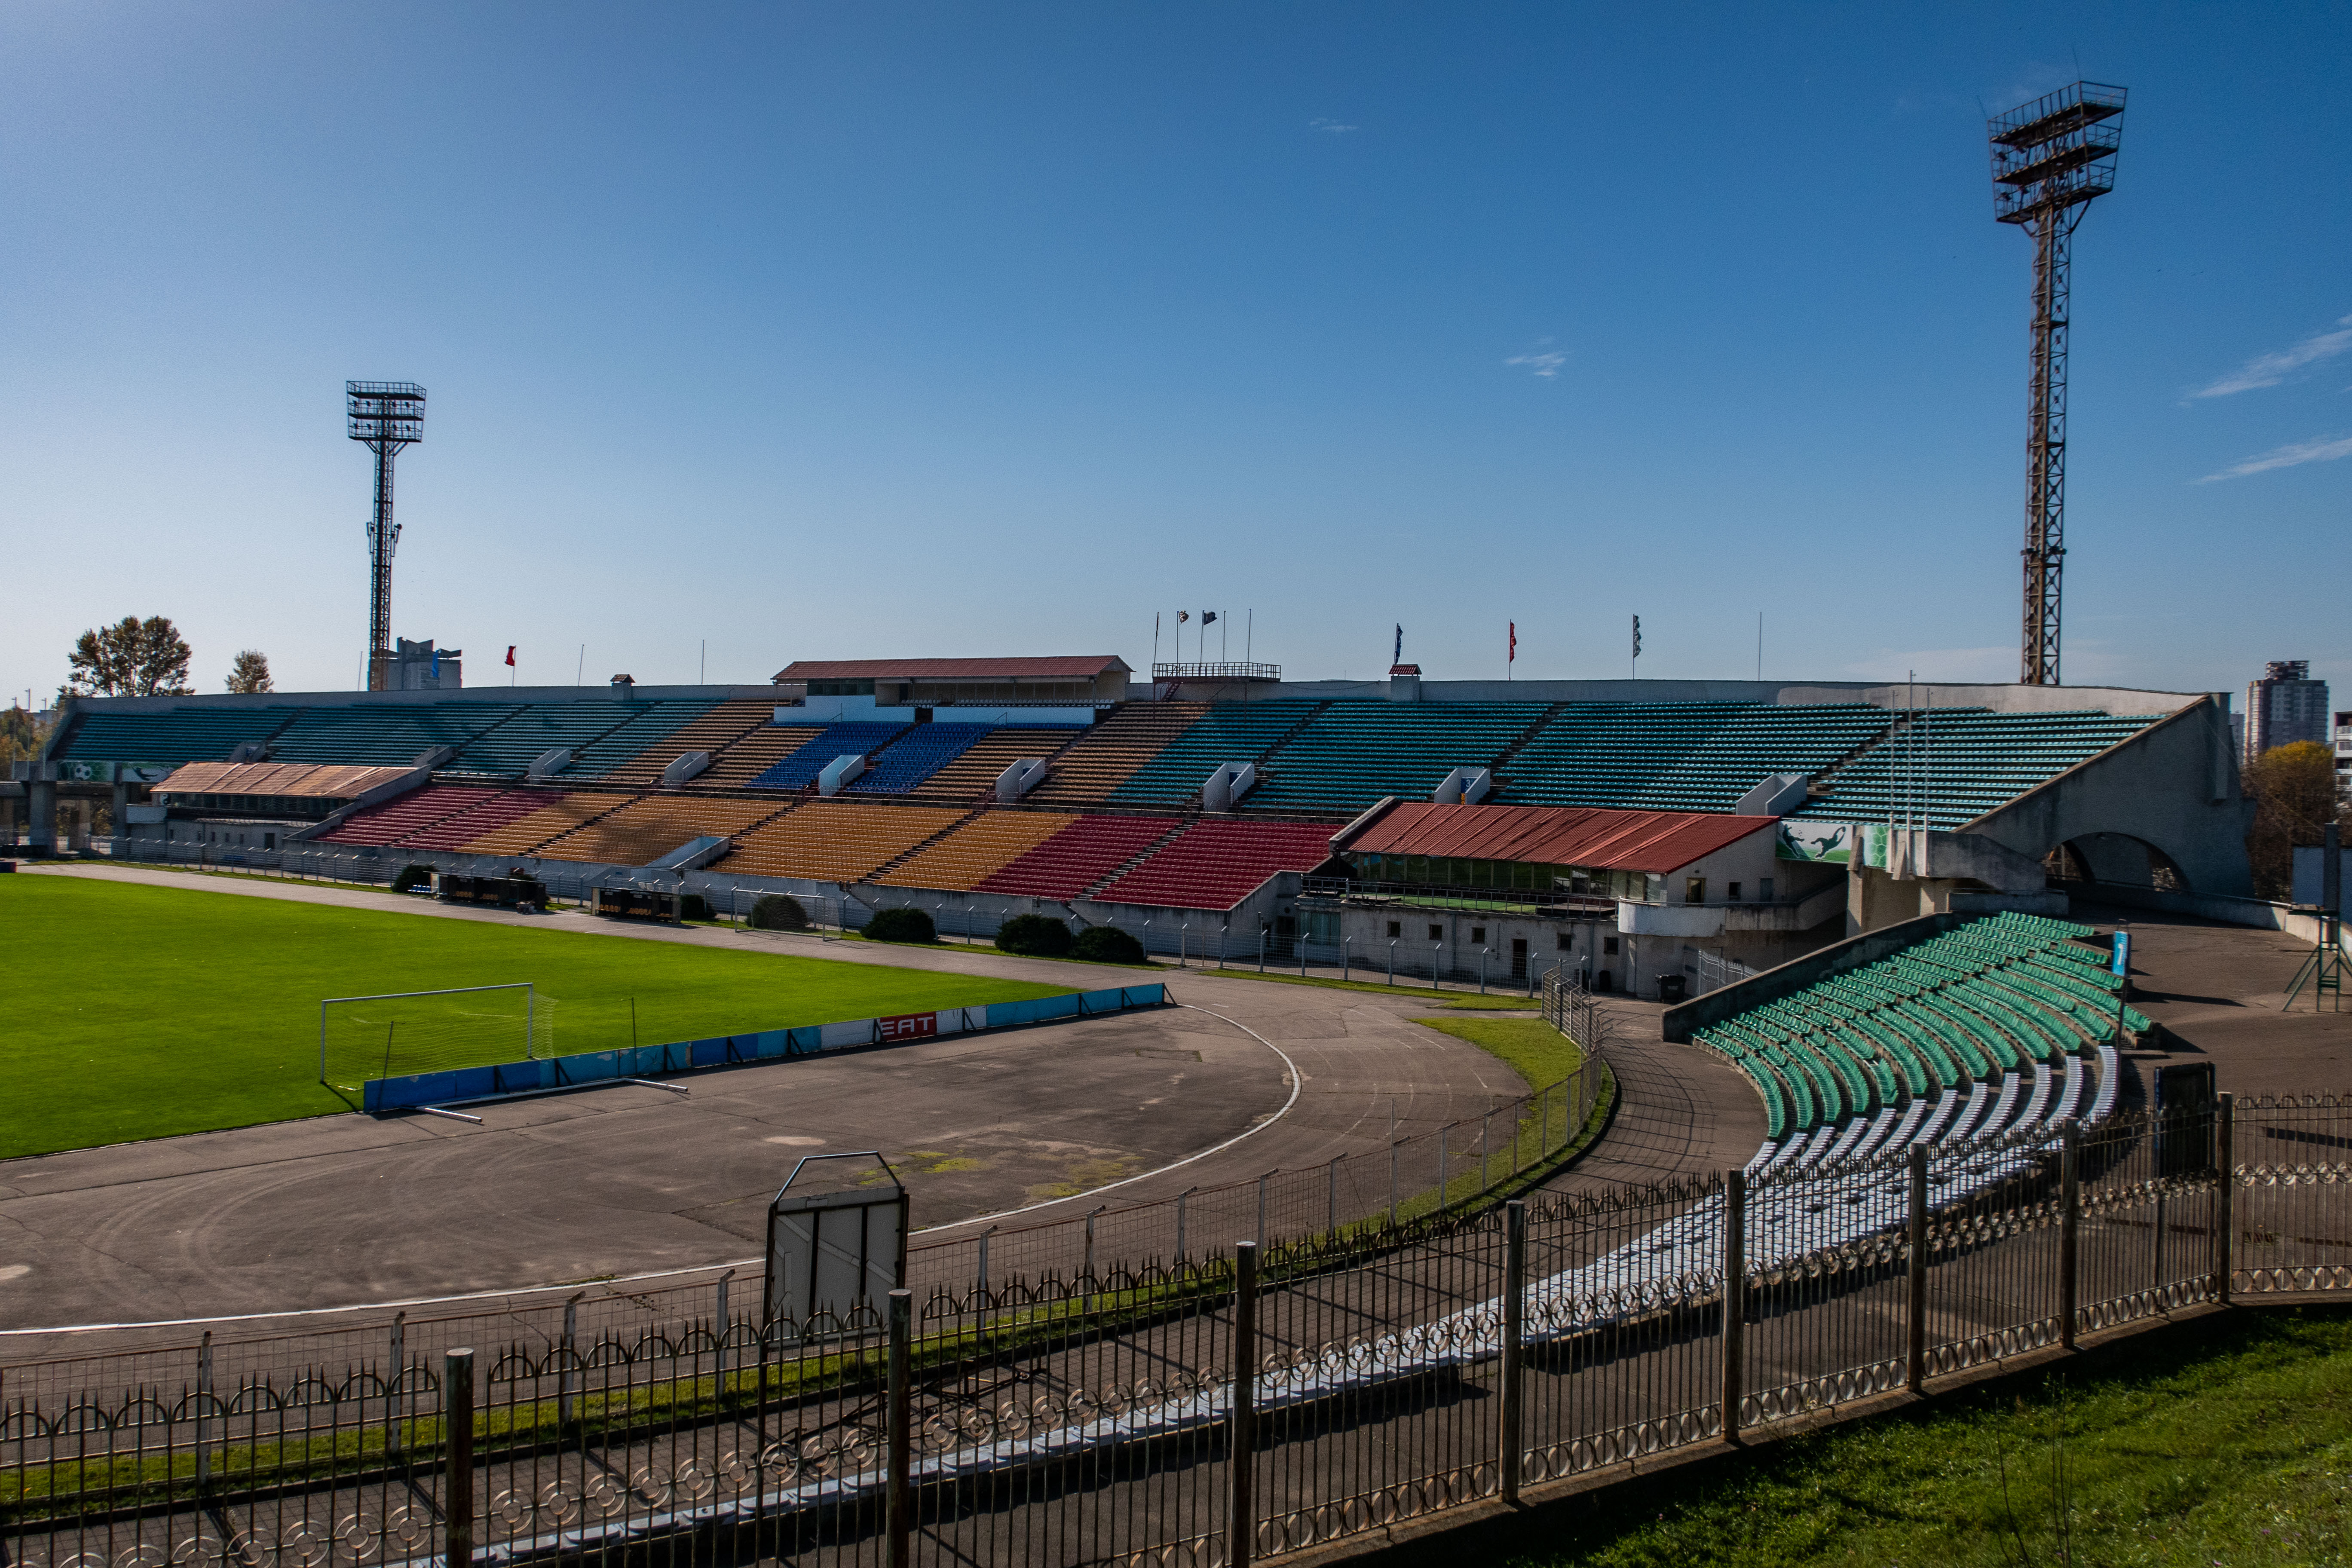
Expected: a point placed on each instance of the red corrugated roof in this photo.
(1060, 667)
(1555, 834)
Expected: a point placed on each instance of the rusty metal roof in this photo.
(1555, 834)
(1059, 667)
(322, 781)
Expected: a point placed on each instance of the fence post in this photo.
(1394, 1147)
(2225, 1195)
(2069, 1215)
(399, 1362)
(900, 1507)
(1514, 1303)
(1241, 1450)
(1441, 1170)
(204, 1398)
(1735, 1298)
(1331, 1201)
(1181, 1199)
(1916, 1322)
(987, 1299)
(567, 1380)
(1486, 1141)
(457, 1480)
(720, 1354)
(1262, 1181)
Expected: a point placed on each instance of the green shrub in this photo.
(1107, 944)
(693, 907)
(900, 925)
(779, 911)
(413, 877)
(1036, 936)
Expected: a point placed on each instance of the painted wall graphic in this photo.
(1829, 842)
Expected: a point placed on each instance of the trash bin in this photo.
(1671, 988)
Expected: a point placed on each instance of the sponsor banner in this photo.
(1829, 842)
(767, 1045)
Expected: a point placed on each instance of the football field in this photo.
(137, 1012)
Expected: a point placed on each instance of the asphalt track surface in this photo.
(345, 1211)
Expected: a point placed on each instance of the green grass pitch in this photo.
(139, 1011)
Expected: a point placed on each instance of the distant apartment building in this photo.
(2287, 706)
(2344, 742)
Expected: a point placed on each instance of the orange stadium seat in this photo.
(713, 732)
(1105, 757)
(837, 840)
(652, 826)
(980, 848)
(526, 833)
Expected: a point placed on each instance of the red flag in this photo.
(510, 653)
(1515, 644)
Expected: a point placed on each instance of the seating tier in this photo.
(800, 769)
(836, 840)
(713, 731)
(652, 826)
(508, 749)
(915, 756)
(1228, 732)
(977, 850)
(1108, 756)
(176, 736)
(1217, 862)
(1950, 767)
(525, 833)
(384, 734)
(1352, 754)
(971, 776)
(1089, 850)
(477, 821)
(403, 815)
(758, 750)
(1679, 756)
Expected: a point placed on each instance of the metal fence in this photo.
(1246, 1401)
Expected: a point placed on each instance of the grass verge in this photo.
(1531, 1047)
(2220, 1442)
(139, 1012)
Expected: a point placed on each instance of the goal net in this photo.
(410, 1032)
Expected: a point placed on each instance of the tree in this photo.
(130, 658)
(250, 673)
(21, 735)
(2295, 797)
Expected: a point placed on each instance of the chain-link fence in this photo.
(1239, 1402)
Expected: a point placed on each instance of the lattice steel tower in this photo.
(2049, 159)
(386, 415)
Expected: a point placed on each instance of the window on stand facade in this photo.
(1694, 890)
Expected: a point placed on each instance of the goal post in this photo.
(400, 1034)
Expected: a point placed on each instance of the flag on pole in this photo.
(510, 653)
(1515, 644)
(1208, 618)
(1399, 656)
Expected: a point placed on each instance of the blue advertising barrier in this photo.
(546, 1073)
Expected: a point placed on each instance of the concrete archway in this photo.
(2120, 858)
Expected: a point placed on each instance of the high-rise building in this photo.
(2285, 706)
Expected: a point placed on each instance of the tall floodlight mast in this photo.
(386, 415)
(2049, 159)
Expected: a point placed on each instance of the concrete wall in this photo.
(2174, 785)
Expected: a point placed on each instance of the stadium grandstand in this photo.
(1660, 837)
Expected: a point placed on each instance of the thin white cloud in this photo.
(1331, 127)
(1546, 364)
(2269, 370)
(2323, 451)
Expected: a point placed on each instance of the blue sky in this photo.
(823, 330)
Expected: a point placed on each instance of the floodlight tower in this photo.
(2049, 157)
(386, 415)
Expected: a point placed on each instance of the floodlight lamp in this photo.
(384, 410)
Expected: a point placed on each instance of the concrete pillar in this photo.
(116, 820)
(41, 804)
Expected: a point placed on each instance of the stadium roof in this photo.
(1555, 834)
(1059, 667)
(322, 781)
